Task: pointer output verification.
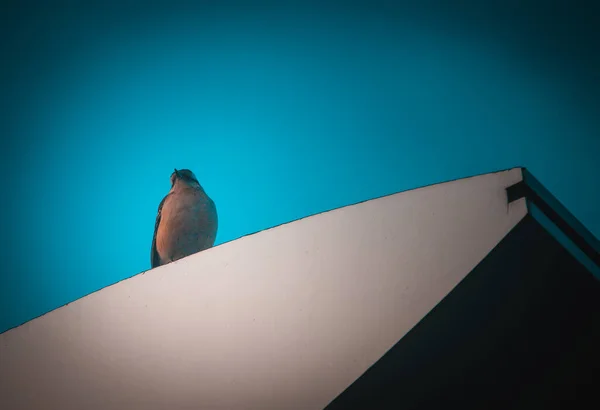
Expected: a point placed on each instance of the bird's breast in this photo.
(188, 225)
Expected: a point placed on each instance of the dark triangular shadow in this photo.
(522, 330)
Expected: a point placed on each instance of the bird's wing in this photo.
(154, 258)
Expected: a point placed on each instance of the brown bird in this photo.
(186, 222)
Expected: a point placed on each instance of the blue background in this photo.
(281, 111)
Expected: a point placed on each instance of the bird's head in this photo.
(184, 176)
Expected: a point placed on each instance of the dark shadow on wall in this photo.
(522, 330)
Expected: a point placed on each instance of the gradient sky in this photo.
(281, 112)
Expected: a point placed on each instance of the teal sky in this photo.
(280, 112)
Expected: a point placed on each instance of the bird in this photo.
(186, 221)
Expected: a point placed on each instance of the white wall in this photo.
(286, 318)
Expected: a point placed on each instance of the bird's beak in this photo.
(177, 173)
